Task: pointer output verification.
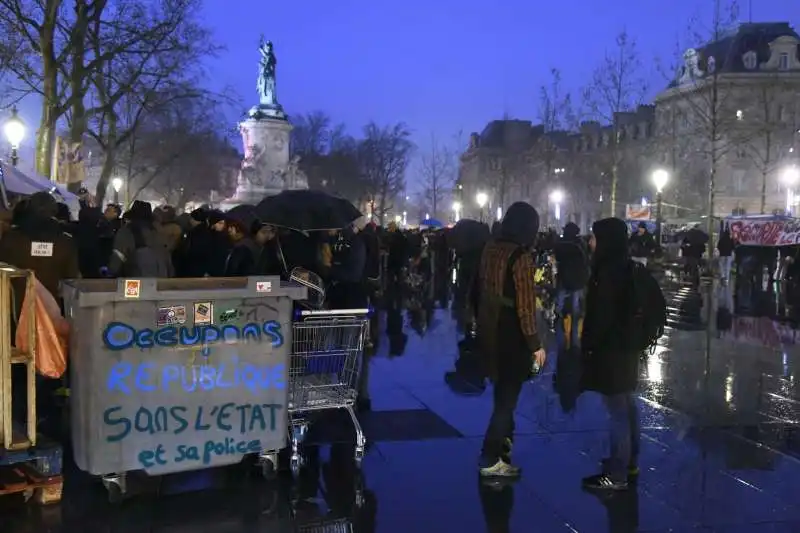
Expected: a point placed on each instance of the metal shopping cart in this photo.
(327, 350)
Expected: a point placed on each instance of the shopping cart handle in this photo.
(333, 312)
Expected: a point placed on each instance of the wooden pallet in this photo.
(23, 478)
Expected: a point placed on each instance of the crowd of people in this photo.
(361, 262)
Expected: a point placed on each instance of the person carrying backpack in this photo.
(625, 316)
(139, 249)
(572, 274)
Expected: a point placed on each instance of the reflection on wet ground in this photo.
(720, 451)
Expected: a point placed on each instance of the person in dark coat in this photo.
(347, 280)
(572, 262)
(243, 255)
(509, 343)
(192, 256)
(611, 368)
(37, 241)
(88, 238)
(217, 255)
(725, 246)
(642, 244)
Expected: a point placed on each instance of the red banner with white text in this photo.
(765, 231)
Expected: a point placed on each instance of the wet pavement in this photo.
(719, 404)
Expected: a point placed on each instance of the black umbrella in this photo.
(468, 236)
(245, 213)
(307, 210)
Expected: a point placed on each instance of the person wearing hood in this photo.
(243, 255)
(610, 366)
(139, 249)
(509, 343)
(572, 273)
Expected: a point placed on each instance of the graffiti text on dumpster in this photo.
(233, 418)
(119, 336)
(234, 374)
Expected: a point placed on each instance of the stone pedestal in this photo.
(266, 169)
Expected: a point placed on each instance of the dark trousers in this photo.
(501, 424)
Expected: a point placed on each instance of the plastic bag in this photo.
(52, 332)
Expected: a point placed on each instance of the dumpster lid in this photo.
(92, 292)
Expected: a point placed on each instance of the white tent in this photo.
(16, 182)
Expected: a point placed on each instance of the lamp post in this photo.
(116, 183)
(481, 199)
(456, 211)
(556, 197)
(660, 179)
(790, 177)
(15, 132)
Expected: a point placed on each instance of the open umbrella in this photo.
(468, 236)
(307, 210)
(431, 223)
(245, 213)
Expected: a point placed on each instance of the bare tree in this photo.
(769, 131)
(617, 86)
(30, 30)
(160, 70)
(384, 154)
(63, 48)
(179, 153)
(328, 156)
(438, 168)
(702, 100)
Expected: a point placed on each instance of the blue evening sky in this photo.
(441, 66)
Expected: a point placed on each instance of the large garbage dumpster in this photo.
(170, 375)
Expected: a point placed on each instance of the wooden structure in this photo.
(14, 284)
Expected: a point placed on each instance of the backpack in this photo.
(575, 276)
(147, 261)
(648, 309)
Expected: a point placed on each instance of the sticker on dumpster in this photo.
(171, 316)
(229, 315)
(41, 249)
(132, 288)
(203, 313)
(263, 286)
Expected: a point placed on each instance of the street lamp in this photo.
(482, 199)
(790, 177)
(556, 197)
(116, 183)
(15, 132)
(456, 211)
(499, 213)
(660, 179)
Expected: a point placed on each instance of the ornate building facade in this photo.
(733, 109)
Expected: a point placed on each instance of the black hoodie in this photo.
(609, 366)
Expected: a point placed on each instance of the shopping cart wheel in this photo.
(296, 462)
(269, 465)
(358, 455)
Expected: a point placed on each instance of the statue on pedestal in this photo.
(268, 106)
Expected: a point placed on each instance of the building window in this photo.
(750, 60)
(783, 61)
(738, 180)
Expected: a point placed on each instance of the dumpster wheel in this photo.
(115, 485)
